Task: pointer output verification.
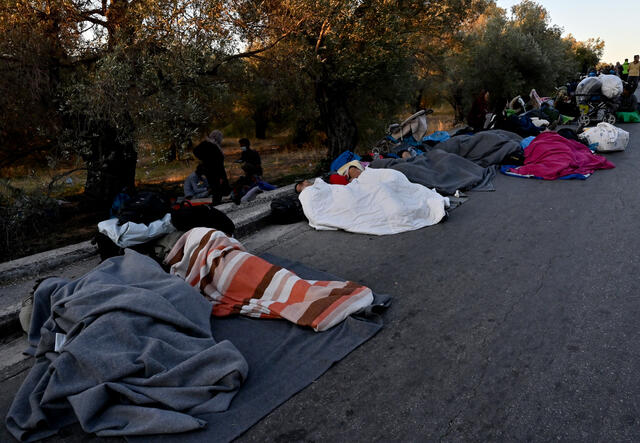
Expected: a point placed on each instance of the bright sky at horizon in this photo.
(616, 23)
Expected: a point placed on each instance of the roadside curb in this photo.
(247, 217)
(33, 264)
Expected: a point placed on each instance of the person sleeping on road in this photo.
(376, 201)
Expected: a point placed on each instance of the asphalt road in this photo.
(516, 319)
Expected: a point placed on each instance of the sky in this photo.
(617, 22)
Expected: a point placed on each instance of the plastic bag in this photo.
(611, 86)
(608, 137)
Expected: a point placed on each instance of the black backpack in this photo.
(187, 217)
(144, 207)
(287, 209)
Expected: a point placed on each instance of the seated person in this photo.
(628, 101)
(249, 185)
(376, 201)
(250, 157)
(196, 184)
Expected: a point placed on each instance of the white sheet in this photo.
(131, 234)
(379, 202)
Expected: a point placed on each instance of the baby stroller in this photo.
(595, 106)
(405, 135)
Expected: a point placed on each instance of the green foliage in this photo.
(510, 55)
(587, 53)
(23, 216)
(166, 72)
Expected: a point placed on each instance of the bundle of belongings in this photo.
(551, 156)
(130, 350)
(605, 138)
(149, 223)
(540, 114)
(598, 99)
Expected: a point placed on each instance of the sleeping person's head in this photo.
(301, 185)
(354, 172)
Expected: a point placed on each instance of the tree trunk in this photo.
(172, 152)
(337, 121)
(261, 121)
(456, 102)
(111, 167)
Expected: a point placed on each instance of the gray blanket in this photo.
(485, 148)
(443, 171)
(139, 355)
(284, 359)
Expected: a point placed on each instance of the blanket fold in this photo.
(444, 171)
(485, 148)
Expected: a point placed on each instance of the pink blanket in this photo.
(551, 156)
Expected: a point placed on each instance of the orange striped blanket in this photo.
(240, 283)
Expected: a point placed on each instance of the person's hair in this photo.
(244, 142)
(295, 188)
(200, 170)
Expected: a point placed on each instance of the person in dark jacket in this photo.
(478, 113)
(250, 158)
(628, 100)
(209, 152)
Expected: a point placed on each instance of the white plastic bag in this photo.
(611, 85)
(608, 137)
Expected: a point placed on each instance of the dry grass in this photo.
(280, 162)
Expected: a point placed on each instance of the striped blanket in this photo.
(240, 283)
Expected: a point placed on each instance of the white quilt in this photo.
(379, 202)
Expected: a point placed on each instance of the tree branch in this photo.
(253, 53)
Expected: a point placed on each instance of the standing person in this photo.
(618, 69)
(209, 152)
(478, 113)
(634, 73)
(625, 69)
(250, 157)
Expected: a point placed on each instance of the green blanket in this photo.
(628, 117)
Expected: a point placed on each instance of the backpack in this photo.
(287, 209)
(144, 207)
(343, 159)
(187, 217)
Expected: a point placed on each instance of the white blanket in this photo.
(379, 202)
